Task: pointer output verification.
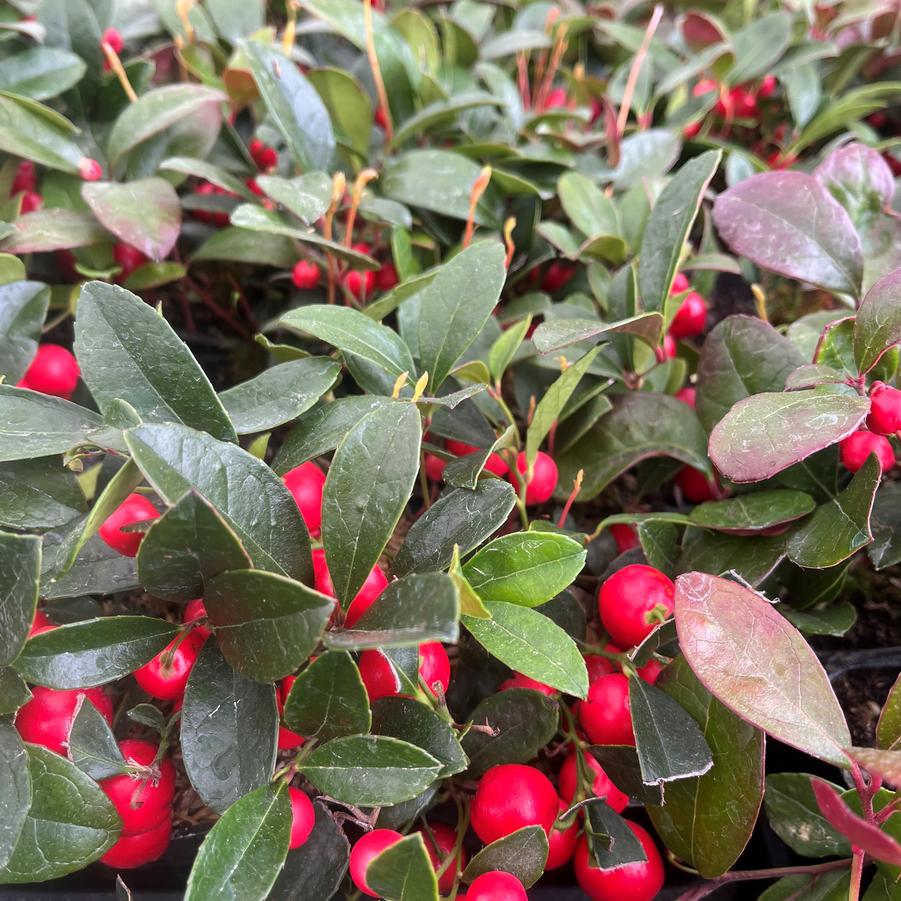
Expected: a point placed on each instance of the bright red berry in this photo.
(624, 535)
(856, 448)
(540, 487)
(495, 463)
(386, 277)
(306, 483)
(90, 170)
(639, 881)
(598, 665)
(680, 283)
(40, 623)
(518, 680)
(132, 851)
(381, 680)
(687, 395)
(556, 99)
(511, 796)
(440, 844)
(605, 715)
(690, 318)
(305, 275)
(195, 610)
(885, 410)
(381, 118)
(651, 671)
(129, 258)
(359, 283)
(704, 86)
(303, 817)
(767, 87)
(54, 370)
(557, 276)
(25, 178)
(496, 885)
(166, 675)
(375, 584)
(31, 202)
(744, 103)
(633, 601)
(695, 486)
(668, 350)
(264, 156)
(562, 842)
(434, 467)
(141, 799)
(47, 718)
(601, 787)
(135, 508)
(367, 848)
(286, 737)
(112, 37)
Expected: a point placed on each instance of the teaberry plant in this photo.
(402, 520)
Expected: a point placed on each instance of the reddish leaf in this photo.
(886, 764)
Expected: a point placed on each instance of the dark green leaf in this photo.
(587, 207)
(94, 651)
(207, 171)
(20, 569)
(620, 763)
(59, 229)
(348, 105)
(761, 510)
(40, 72)
(92, 745)
(243, 853)
(306, 196)
(611, 842)
(505, 347)
(878, 323)
(644, 155)
(235, 20)
(720, 553)
(23, 306)
(328, 699)
(404, 872)
(370, 770)
(266, 625)
(828, 886)
(38, 494)
(229, 726)
(835, 620)
(15, 789)
(13, 691)
(98, 569)
(759, 45)
(556, 334)
(794, 815)
(30, 130)
(244, 245)
(522, 853)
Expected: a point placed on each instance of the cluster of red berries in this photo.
(25, 182)
(742, 102)
(884, 419)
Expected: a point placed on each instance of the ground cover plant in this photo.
(448, 450)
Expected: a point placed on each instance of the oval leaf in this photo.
(404, 872)
(20, 572)
(877, 326)
(522, 853)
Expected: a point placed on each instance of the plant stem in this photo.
(775, 873)
(856, 873)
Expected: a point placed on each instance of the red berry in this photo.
(135, 850)
(40, 623)
(264, 156)
(651, 671)
(286, 737)
(598, 665)
(639, 881)
(668, 350)
(31, 202)
(557, 276)
(359, 283)
(767, 87)
(25, 178)
(386, 277)
(135, 508)
(633, 601)
(511, 796)
(692, 130)
(496, 885)
(367, 848)
(680, 283)
(562, 842)
(605, 715)
(90, 170)
(601, 787)
(303, 817)
(690, 318)
(856, 448)
(141, 799)
(695, 486)
(624, 535)
(167, 681)
(744, 104)
(305, 275)
(306, 483)
(195, 610)
(47, 718)
(885, 410)
(375, 584)
(495, 463)
(54, 370)
(434, 467)
(382, 681)
(688, 396)
(112, 37)
(440, 845)
(704, 86)
(381, 118)
(129, 258)
(544, 477)
(362, 247)
(556, 99)
(518, 680)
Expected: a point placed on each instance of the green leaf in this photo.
(306, 196)
(470, 603)
(859, 179)
(829, 886)
(328, 699)
(30, 130)
(611, 842)
(840, 527)
(522, 853)
(888, 729)
(229, 727)
(559, 333)
(15, 789)
(530, 643)
(620, 763)
(98, 569)
(641, 425)
(92, 746)
(587, 207)
(834, 620)
(70, 823)
(368, 485)
(235, 20)
(709, 819)
(40, 72)
(455, 306)
(20, 569)
(13, 692)
(370, 770)
(877, 326)
(720, 554)
(526, 568)
(759, 46)
(245, 245)
(794, 815)
(23, 307)
(441, 114)
(668, 228)
(418, 724)
(789, 223)
(505, 347)
(243, 853)
(266, 625)
(250, 497)
(785, 691)
(352, 332)
(185, 548)
(348, 105)
(766, 433)
(56, 229)
(459, 518)
(128, 352)
(753, 512)
(207, 171)
(94, 651)
(404, 872)
(398, 618)
(154, 275)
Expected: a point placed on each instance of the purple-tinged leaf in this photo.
(863, 835)
(858, 178)
(759, 665)
(878, 324)
(789, 223)
(886, 764)
(766, 433)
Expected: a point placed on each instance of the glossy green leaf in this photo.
(620, 763)
(306, 196)
(210, 172)
(835, 620)
(349, 106)
(760, 510)
(20, 569)
(30, 130)
(250, 497)
(266, 625)
(94, 651)
(522, 853)
(505, 347)
(235, 20)
(97, 569)
(720, 554)
(15, 789)
(785, 692)
(829, 886)
(759, 45)
(243, 853)
(92, 746)
(530, 643)
(441, 114)
(229, 726)
(643, 155)
(244, 245)
(367, 488)
(40, 72)
(328, 699)
(559, 333)
(793, 814)
(859, 179)
(46, 230)
(404, 872)
(587, 207)
(888, 729)
(13, 691)
(370, 770)
(877, 326)
(610, 840)
(23, 306)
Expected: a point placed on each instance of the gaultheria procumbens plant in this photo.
(439, 445)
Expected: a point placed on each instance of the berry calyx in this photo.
(360, 284)
(496, 885)
(166, 675)
(303, 817)
(89, 170)
(132, 851)
(562, 842)
(54, 371)
(440, 843)
(601, 786)
(47, 718)
(605, 715)
(856, 448)
(367, 848)
(195, 610)
(690, 318)
(540, 487)
(376, 582)
(885, 410)
(634, 601)
(305, 275)
(142, 799)
(638, 881)
(306, 483)
(135, 508)
(510, 796)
